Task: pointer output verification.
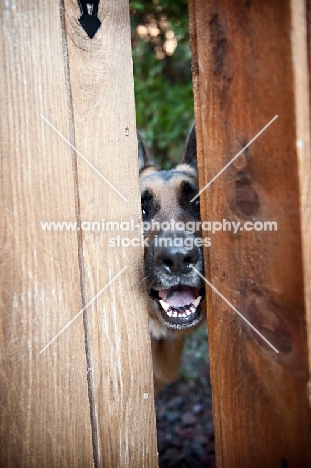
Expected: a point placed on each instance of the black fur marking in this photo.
(149, 205)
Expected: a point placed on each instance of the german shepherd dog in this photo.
(175, 290)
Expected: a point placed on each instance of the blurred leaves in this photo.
(162, 75)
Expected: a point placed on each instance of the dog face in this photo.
(171, 231)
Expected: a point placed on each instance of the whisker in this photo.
(154, 279)
(143, 279)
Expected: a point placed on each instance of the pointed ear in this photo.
(190, 152)
(144, 157)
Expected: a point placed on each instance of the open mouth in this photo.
(180, 305)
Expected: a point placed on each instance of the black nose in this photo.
(176, 254)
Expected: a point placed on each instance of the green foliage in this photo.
(162, 77)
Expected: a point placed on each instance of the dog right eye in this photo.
(148, 205)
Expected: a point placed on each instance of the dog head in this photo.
(172, 231)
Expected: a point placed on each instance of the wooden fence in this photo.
(89, 395)
(86, 398)
(250, 63)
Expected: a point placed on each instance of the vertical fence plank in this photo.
(44, 402)
(243, 77)
(103, 119)
(301, 43)
(87, 399)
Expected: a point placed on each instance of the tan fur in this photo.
(166, 355)
(186, 168)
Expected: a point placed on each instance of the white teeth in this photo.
(165, 305)
(197, 301)
(190, 309)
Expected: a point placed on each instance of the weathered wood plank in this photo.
(45, 419)
(103, 116)
(301, 43)
(243, 76)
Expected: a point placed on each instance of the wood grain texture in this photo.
(87, 400)
(243, 73)
(103, 116)
(301, 19)
(44, 400)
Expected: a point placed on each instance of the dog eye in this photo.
(148, 204)
(144, 210)
(197, 205)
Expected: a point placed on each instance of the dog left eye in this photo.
(197, 205)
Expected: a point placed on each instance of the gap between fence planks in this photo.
(246, 71)
(85, 89)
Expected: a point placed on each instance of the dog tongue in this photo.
(179, 296)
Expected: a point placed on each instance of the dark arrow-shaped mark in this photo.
(88, 19)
